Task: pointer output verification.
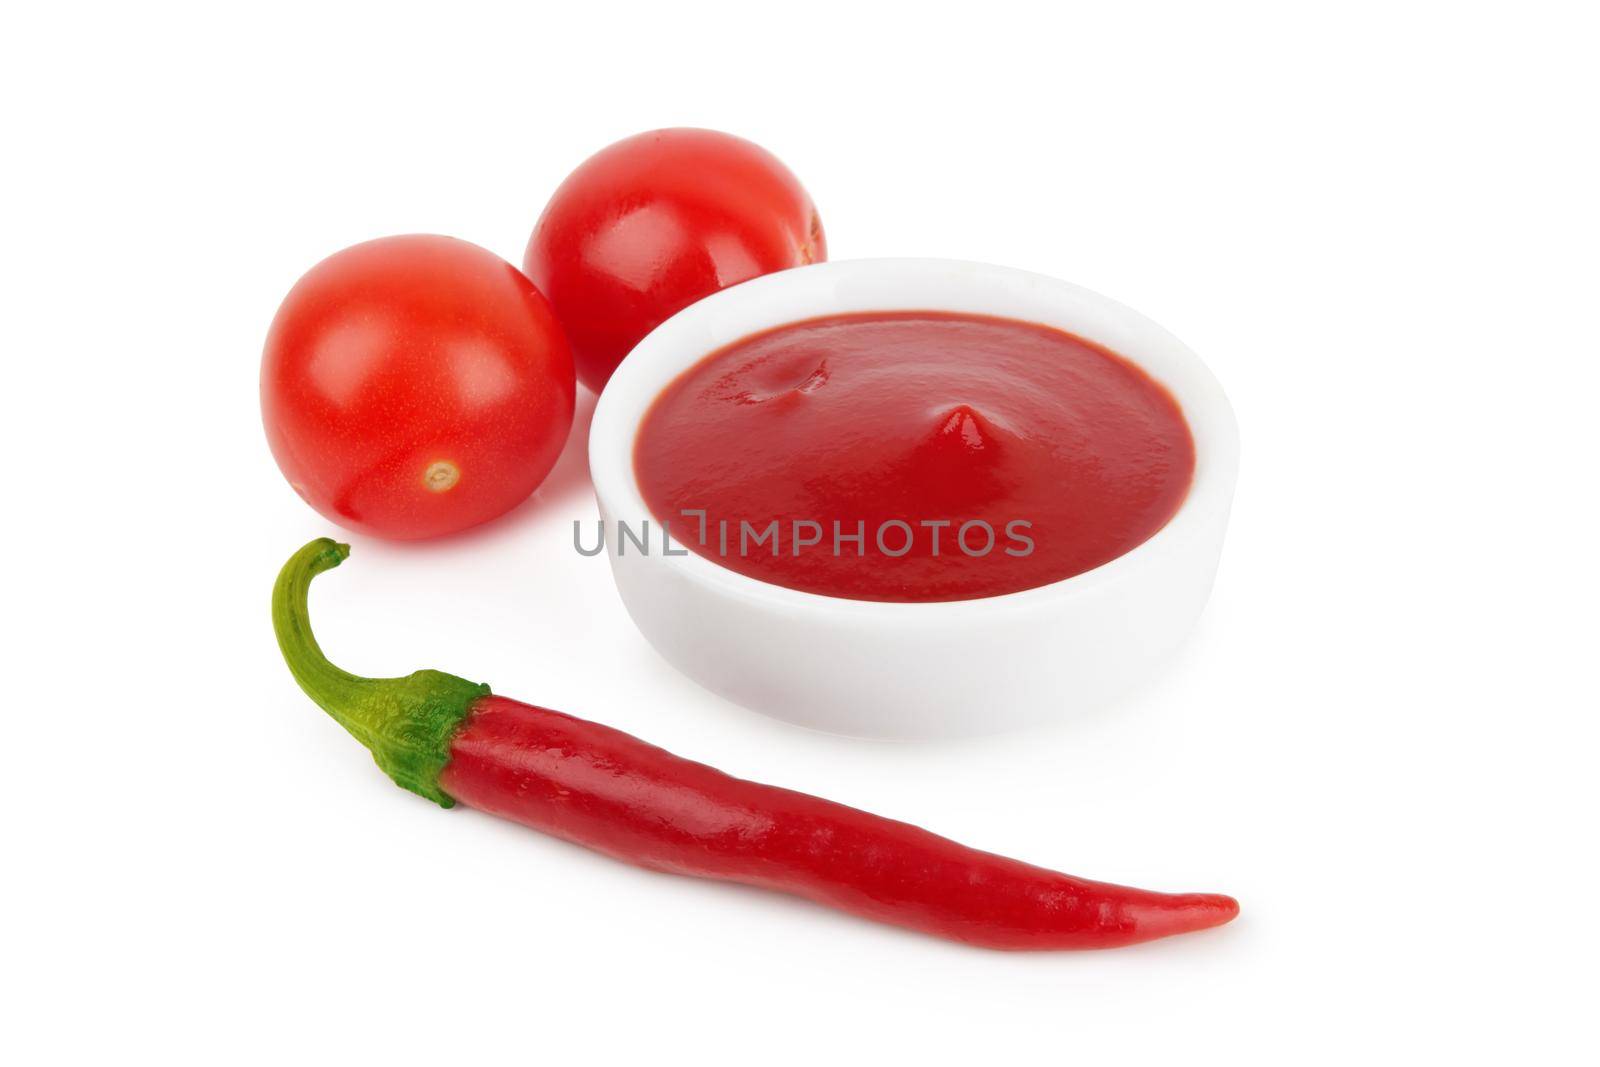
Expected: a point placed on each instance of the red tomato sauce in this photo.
(864, 456)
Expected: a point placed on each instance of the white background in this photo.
(1376, 222)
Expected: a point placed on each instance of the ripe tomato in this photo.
(643, 229)
(415, 386)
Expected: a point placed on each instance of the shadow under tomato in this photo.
(570, 475)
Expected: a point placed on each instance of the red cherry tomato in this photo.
(643, 229)
(415, 386)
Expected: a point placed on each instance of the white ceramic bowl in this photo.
(931, 669)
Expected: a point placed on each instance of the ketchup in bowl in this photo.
(913, 456)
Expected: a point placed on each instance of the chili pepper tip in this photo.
(1185, 913)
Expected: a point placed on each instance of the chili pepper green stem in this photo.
(407, 723)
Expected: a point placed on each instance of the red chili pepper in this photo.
(450, 740)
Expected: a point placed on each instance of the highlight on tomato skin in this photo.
(651, 224)
(415, 386)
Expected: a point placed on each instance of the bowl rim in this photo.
(677, 344)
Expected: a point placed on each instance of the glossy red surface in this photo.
(611, 792)
(415, 386)
(646, 227)
(917, 419)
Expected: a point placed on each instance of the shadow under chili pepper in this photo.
(749, 901)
